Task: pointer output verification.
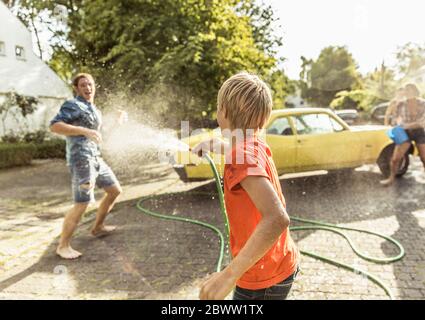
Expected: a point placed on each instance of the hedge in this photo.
(21, 154)
(50, 149)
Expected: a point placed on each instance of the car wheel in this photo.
(384, 162)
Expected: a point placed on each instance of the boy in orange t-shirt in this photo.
(265, 261)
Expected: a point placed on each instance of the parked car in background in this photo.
(377, 113)
(306, 139)
(350, 116)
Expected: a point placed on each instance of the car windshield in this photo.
(316, 124)
(280, 126)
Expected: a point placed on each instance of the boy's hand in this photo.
(202, 148)
(218, 286)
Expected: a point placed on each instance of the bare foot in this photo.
(387, 182)
(68, 253)
(103, 231)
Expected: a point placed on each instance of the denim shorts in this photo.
(85, 174)
(279, 291)
(417, 135)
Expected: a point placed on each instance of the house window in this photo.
(20, 53)
(2, 48)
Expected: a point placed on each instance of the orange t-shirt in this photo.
(253, 157)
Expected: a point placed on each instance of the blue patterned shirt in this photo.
(81, 113)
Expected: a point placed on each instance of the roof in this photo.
(346, 111)
(36, 80)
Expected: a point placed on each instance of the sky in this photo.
(372, 30)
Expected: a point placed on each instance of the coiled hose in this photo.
(310, 225)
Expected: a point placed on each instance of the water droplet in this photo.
(60, 269)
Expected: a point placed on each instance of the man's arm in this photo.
(419, 123)
(389, 114)
(65, 129)
(414, 125)
(274, 221)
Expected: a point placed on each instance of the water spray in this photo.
(309, 225)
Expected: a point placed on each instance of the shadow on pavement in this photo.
(343, 199)
(409, 210)
(145, 256)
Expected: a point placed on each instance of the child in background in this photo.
(265, 261)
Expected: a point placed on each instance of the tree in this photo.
(335, 70)
(263, 24)
(359, 99)
(177, 50)
(411, 64)
(305, 81)
(164, 56)
(410, 58)
(17, 107)
(381, 83)
(281, 87)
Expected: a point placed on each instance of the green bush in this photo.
(50, 149)
(361, 100)
(35, 137)
(19, 154)
(11, 138)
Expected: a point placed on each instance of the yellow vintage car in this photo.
(306, 139)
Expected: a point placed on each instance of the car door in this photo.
(282, 141)
(323, 143)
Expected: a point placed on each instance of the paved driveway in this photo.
(157, 259)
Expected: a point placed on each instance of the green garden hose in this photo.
(222, 238)
(311, 225)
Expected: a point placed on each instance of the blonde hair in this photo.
(79, 76)
(247, 101)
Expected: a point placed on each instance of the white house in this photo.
(22, 72)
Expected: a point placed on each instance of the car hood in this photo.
(369, 127)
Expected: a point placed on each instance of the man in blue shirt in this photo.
(80, 121)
